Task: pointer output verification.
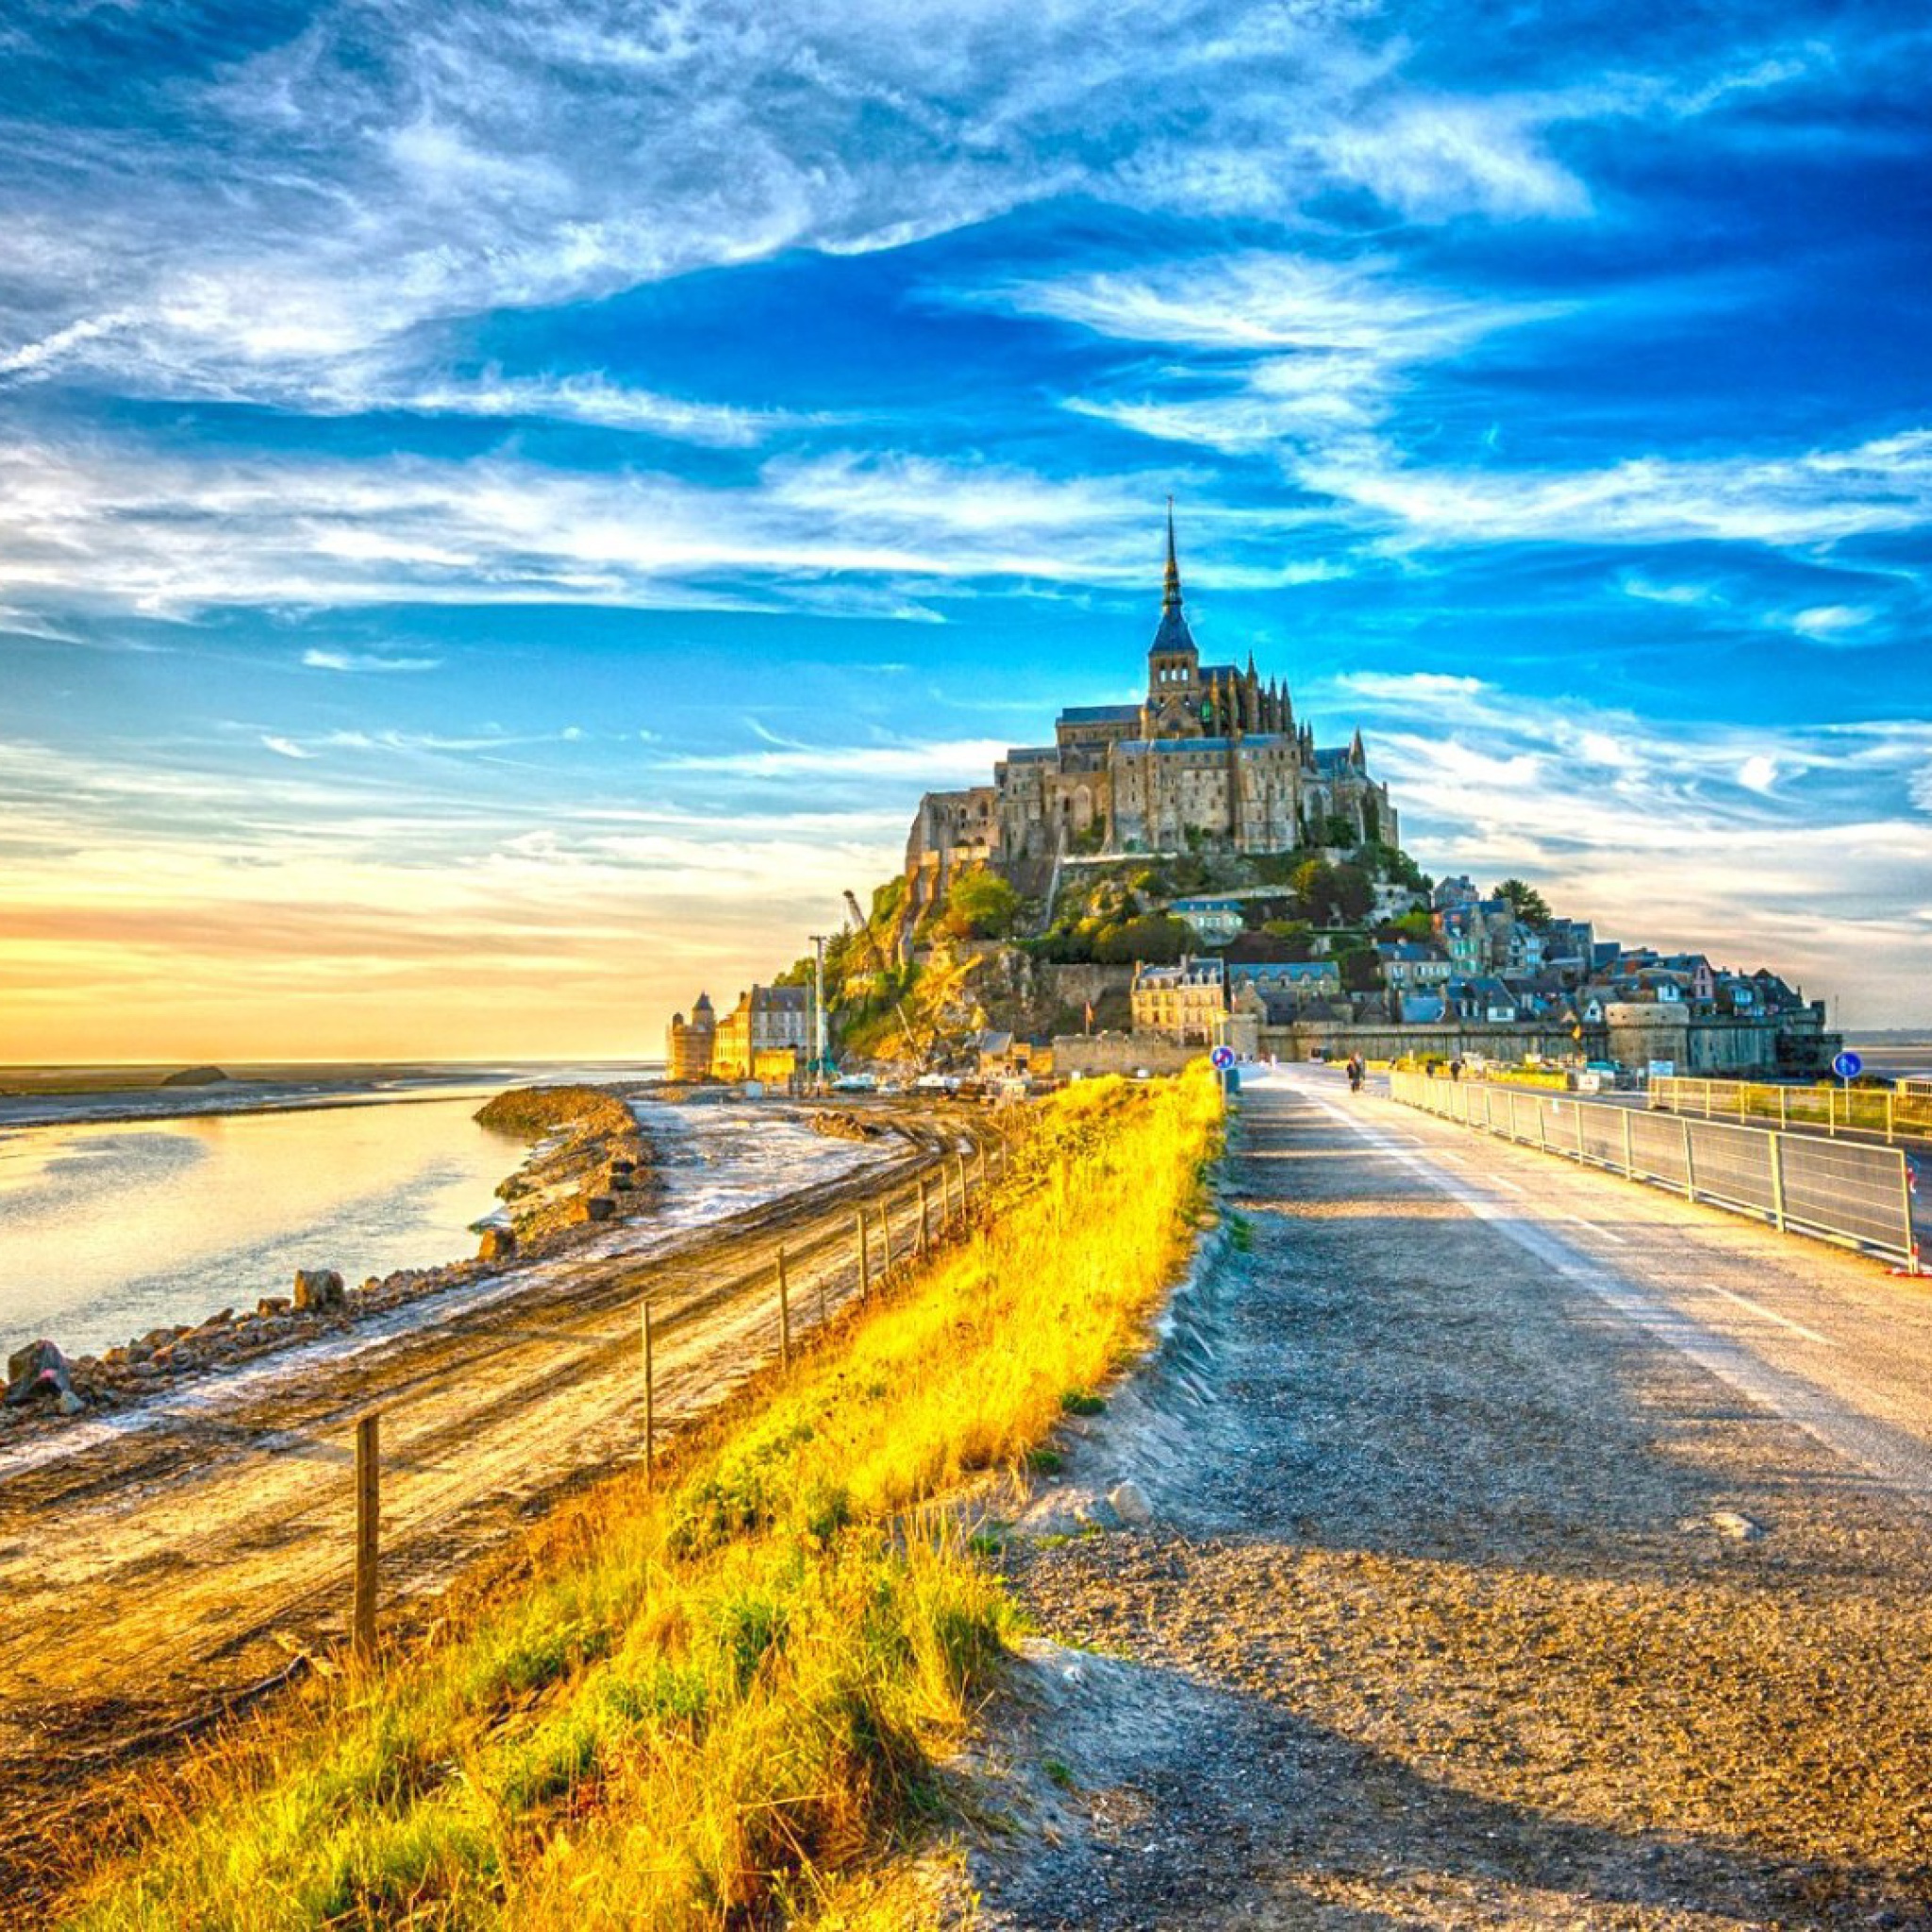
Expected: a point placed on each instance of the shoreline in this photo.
(223, 1349)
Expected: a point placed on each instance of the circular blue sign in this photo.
(1848, 1066)
(1223, 1057)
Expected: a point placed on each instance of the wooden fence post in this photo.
(784, 1316)
(864, 1255)
(885, 1242)
(922, 1215)
(368, 1535)
(650, 1400)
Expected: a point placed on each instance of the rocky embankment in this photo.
(589, 1167)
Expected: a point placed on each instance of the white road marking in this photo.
(1496, 1180)
(1616, 1240)
(1891, 1453)
(1744, 1301)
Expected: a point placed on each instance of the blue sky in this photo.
(503, 509)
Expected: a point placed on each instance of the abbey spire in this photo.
(1171, 584)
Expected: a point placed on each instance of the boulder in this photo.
(624, 1167)
(69, 1404)
(319, 1287)
(272, 1305)
(499, 1244)
(36, 1370)
(599, 1208)
(1130, 1504)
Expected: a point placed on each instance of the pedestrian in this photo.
(1355, 1073)
(1456, 1068)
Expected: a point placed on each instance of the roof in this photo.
(1174, 634)
(1206, 902)
(1101, 714)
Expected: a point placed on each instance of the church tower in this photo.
(1175, 693)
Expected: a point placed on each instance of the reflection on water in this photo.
(109, 1230)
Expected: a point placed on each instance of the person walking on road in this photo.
(1356, 1071)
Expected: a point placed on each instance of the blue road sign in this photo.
(1848, 1066)
(1223, 1057)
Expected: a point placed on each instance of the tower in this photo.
(1176, 696)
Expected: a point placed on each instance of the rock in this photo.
(195, 1076)
(499, 1244)
(157, 1337)
(1130, 1504)
(70, 1403)
(143, 1371)
(618, 1167)
(1737, 1525)
(319, 1287)
(599, 1208)
(272, 1305)
(139, 1351)
(36, 1371)
(620, 1183)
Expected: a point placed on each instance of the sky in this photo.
(504, 508)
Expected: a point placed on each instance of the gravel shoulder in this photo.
(1464, 1598)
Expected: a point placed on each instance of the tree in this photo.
(1361, 971)
(1314, 884)
(1416, 925)
(1525, 901)
(981, 906)
(1353, 895)
(1158, 938)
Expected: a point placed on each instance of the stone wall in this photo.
(1119, 1052)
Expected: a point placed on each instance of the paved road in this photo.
(1529, 1549)
(1824, 1338)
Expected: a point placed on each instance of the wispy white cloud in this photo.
(285, 747)
(366, 660)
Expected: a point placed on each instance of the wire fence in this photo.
(1847, 1192)
(1892, 1116)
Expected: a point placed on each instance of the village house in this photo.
(1186, 1003)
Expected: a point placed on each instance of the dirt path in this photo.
(147, 1578)
(1472, 1596)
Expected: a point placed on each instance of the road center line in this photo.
(1771, 1315)
(1616, 1240)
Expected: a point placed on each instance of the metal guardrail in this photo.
(1891, 1115)
(1846, 1191)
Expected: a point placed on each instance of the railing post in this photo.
(650, 1402)
(1582, 1158)
(1784, 1110)
(784, 1315)
(865, 1255)
(1777, 1181)
(922, 1214)
(1629, 1162)
(368, 1535)
(1690, 1167)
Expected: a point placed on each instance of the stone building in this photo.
(1185, 1003)
(1212, 758)
(765, 1036)
(688, 1043)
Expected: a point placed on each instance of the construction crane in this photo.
(921, 1055)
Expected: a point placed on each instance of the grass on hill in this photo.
(718, 1705)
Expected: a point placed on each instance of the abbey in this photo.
(1210, 760)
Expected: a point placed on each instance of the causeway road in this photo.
(1523, 1547)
